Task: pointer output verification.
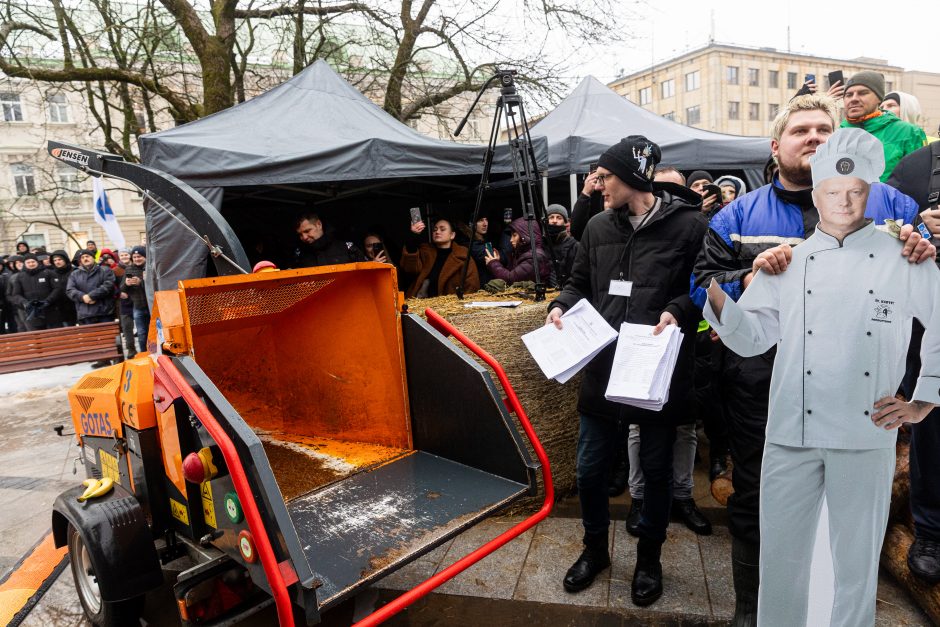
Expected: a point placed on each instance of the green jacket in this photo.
(898, 137)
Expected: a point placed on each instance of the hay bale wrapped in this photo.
(550, 406)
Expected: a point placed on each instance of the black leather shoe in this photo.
(924, 560)
(633, 517)
(719, 465)
(647, 583)
(582, 573)
(693, 518)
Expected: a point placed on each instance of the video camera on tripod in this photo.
(525, 171)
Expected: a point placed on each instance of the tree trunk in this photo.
(894, 558)
(216, 76)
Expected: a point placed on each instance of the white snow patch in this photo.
(42, 379)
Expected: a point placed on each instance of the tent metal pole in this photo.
(545, 187)
(573, 189)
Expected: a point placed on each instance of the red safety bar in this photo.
(272, 571)
(387, 611)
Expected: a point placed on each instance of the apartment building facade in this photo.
(738, 90)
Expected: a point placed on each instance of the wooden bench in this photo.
(60, 347)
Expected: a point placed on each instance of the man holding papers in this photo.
(840, 316)
(633, 265)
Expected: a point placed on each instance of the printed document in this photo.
(643, 366)
(561, 353)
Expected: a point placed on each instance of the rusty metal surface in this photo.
(372, 523)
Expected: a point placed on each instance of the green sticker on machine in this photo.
(233, 508)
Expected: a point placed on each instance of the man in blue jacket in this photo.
(778, 214)
(91, 288)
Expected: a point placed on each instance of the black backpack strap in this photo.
(933, 191)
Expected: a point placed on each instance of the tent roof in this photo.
(313, 128)
(593, 117)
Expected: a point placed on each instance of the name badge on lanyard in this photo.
(620, 287)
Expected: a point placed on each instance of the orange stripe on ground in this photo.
(28, 577)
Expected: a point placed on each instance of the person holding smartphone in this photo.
(438, 265)
(374, 247)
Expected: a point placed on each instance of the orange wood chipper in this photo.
(256, 444)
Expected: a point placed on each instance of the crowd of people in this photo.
(40, 290)
(688, 243)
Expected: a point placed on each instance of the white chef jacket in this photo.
(840, 316)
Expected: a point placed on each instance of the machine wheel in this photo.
(101, 613)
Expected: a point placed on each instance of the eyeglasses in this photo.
(601, 179)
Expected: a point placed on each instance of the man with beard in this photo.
(91, 288)
(633, 265)
(62, 268)
(319, 246)
(563, 245)
(34, 291)
(754, 232)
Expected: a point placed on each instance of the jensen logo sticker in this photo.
(70, 155)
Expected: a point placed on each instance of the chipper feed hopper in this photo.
(292, 437)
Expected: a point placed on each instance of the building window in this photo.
(773, 78)
(772, 111)
(753, 111)
(67, 178)
(753, 77)
(23, 179)
(732, 75)
(646, 95)
(34, 240)
(12, 109)
(791, 80)
(734, 110)
(668, 88)
(889, 87)
(57, 108)
(692, 81)
(693, 115)
(670, 116)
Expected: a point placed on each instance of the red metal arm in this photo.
(276, 581)
(422, 589)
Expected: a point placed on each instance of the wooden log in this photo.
(722, 487)
(897, 543)
(901, 488)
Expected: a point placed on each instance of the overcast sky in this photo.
(904, 33)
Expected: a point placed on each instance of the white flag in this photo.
(104, 215)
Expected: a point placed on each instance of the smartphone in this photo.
(711, 190)
(809, 78)
(489, 248)
(377, 247)
(835, 77)
(415, 215)
(507, 215)
(592, 168)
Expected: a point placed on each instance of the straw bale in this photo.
(550, 406)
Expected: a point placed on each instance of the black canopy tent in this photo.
(313, 142)
(594, 117)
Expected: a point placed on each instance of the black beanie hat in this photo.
(893, 96)
(29, 256)
(698, 175)
(139, 250)
(633, 160)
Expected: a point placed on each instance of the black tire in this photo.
(101, 613)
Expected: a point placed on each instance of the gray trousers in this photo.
(857, 488)
(683, 461)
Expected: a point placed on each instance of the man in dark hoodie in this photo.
(319, 246)
(633, 265)
(133, 286)
(62, 268)
(91, 288)
(34, 291)
(563, 244)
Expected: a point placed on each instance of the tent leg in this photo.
(573, 188)
(545, 189)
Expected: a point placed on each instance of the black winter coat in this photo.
(97, 283)
(136, 293)
(326, 251)
(64, 304)
(659, 263)
(38, 284)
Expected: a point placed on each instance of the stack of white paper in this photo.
(561, 353)
(643, 365)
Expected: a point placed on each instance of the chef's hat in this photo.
(849, 152)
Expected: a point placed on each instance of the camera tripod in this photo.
(524, 168)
